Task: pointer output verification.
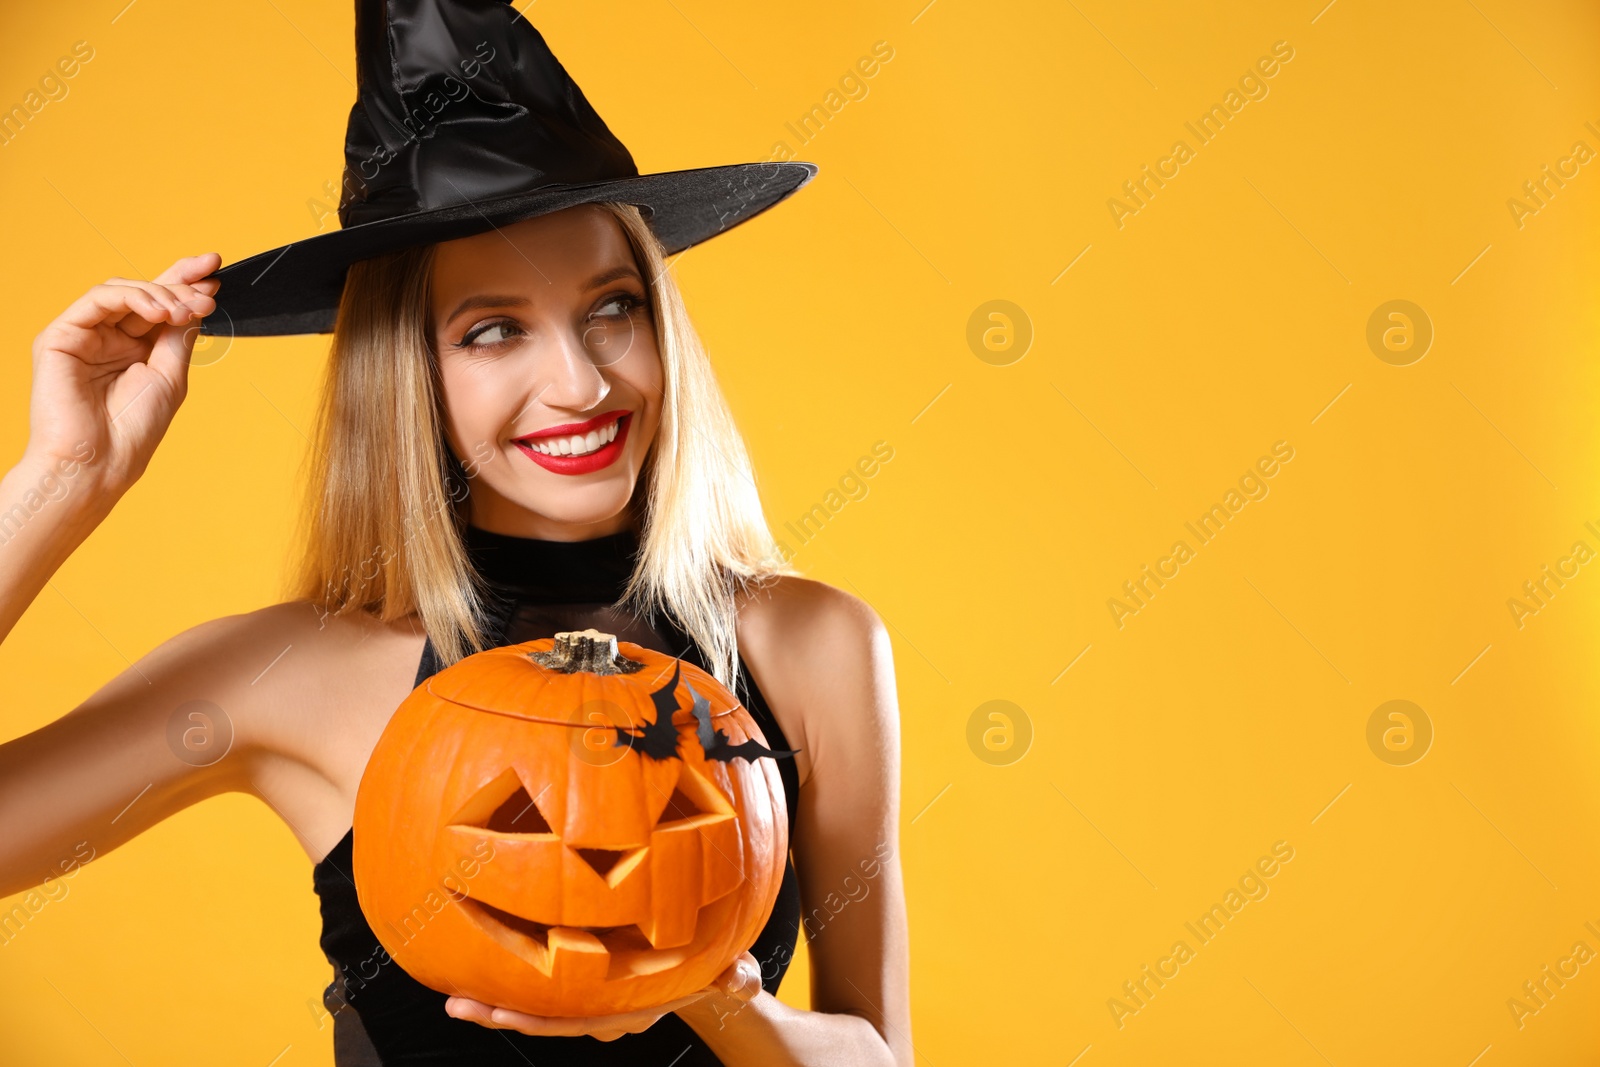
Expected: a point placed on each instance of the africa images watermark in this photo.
(1252, 486)
(1538, 592)
(421, 114)
(381, 555)
(52, 87)
(852, 87)
(1252, 86)
(855, 891)
(52, 486)
(452, 888)
(1538, 991)
(1538, 192)
(1252, 886)
(852, 487)
(52, 890)
(744, 189)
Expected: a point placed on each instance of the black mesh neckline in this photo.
(555, 572)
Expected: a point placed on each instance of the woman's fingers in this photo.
(741, 979)
(181, 293)
(191, 269)
(182, 301)
(139, 325)
(169, 356)
(172, 352)
(175, 304)
(109, 304)
(190, 279)
(603, 1028)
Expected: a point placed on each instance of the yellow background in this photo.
(1228, 314)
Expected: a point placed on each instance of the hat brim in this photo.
(295, 289)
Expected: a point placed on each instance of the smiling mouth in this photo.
(584, 449)
(578, 444)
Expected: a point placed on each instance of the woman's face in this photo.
(551, 375)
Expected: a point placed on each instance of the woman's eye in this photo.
(618, 306)
(489, 335)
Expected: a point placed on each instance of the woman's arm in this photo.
(45, 514)
(108, 375)
(825, 654)
(173, 729)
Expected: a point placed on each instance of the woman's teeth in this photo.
(577, 444)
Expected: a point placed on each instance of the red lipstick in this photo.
(585, 464)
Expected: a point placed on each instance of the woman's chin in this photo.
(582, 508)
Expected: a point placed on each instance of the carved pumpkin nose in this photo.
(601, 859)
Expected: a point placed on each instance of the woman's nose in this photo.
(569, 375)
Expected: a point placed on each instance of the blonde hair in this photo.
(382, 527)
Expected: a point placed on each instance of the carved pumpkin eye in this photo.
(494, 861)
(517, 814)
(679, 806)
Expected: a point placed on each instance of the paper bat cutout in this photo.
(715, 742)
(659, 739)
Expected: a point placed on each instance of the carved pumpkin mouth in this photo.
(612, 952)
(674, 918)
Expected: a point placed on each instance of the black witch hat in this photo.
(465, 121)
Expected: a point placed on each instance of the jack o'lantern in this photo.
(568, 827)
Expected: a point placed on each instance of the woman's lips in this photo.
(586, 464)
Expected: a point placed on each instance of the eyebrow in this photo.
(488, 300)
(622, 270)
(485, 300)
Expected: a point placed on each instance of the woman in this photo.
(519, 433)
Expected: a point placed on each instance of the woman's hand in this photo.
(110, 372)
(740, 982)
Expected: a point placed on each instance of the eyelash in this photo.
(633, 304)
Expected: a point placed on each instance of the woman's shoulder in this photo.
(311, 644)
(293, 678)
(822, 658)
(330, 684)
(788, 606)
(300, 650)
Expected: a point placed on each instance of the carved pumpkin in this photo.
(569, 827)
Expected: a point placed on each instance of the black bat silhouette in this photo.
(659, 739)
(715, 742)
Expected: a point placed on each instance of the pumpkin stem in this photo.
(586, 650)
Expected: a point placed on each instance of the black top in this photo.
(381, 1014)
